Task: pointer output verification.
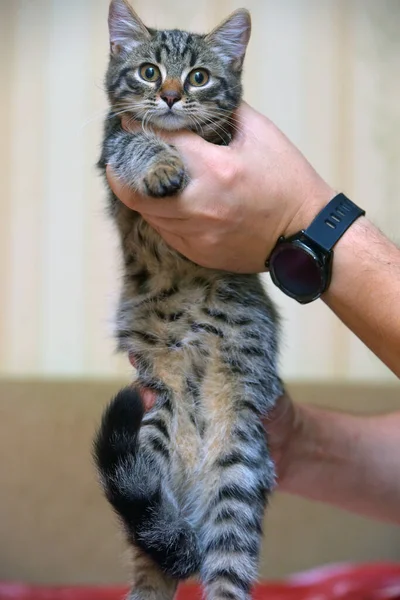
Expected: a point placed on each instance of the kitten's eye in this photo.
(199, 77)
(149, 72)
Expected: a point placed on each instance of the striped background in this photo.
(327, 71)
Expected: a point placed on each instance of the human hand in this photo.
(282, 426)
(241, 197)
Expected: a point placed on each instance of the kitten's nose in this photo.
(170, 97)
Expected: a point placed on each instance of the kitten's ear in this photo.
(230, 38)
(126, 29)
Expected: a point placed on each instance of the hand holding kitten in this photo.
(241, 197)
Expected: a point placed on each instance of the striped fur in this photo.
(190, 478)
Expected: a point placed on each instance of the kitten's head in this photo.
(175, 79)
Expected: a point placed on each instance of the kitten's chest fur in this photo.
(151, 267)
(164, 295)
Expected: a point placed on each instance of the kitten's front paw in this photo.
(167, 176)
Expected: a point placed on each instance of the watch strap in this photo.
(332, 222)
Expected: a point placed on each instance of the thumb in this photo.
(195, 150)
(174, 240)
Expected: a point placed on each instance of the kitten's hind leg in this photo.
(149, 582)
(239, 480)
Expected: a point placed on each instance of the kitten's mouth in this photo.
(170, 120)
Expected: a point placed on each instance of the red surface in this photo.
(342, 582)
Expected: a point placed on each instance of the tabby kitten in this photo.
(190, 477)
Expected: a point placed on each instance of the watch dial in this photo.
(296, 271)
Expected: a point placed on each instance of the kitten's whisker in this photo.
(131, 120)
(231, 121)
(143, 124)
(210, 121)
(118, 113)
(218, 108)
(233, 129)
(147, 132)
(101, 114)
(197, 125)
(223, 112)
(234, 87)
(210, 124)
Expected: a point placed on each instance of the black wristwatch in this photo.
(301, 265)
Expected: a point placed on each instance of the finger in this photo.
(181, 226)
(281, 409)
(124, 193)
(130, 124)
(195, 149)
(277, 421)
(200, 156)
(173, 207)
(128, 196)
(178, 243)
(175, 232)
(197, 152)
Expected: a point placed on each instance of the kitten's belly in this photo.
(170, 330)
(184, 348)
(203, 340)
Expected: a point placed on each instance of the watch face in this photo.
(298, 271)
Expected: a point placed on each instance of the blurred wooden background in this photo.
(325, 70)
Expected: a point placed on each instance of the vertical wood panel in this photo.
(27, 174)
(7, 48)
(314, 326)
(101, 269)
(274, 79)
(63, 245)
(343, 119)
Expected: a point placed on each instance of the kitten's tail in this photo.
(135, 483)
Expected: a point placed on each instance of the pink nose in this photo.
(170, 97)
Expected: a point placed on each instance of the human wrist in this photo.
(311, 200)
(294, 450)
(304, 451)
(302, 210)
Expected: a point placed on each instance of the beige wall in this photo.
(323, 69)
(55, 526)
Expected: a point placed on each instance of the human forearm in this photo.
(365, 290)
(346, 460)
